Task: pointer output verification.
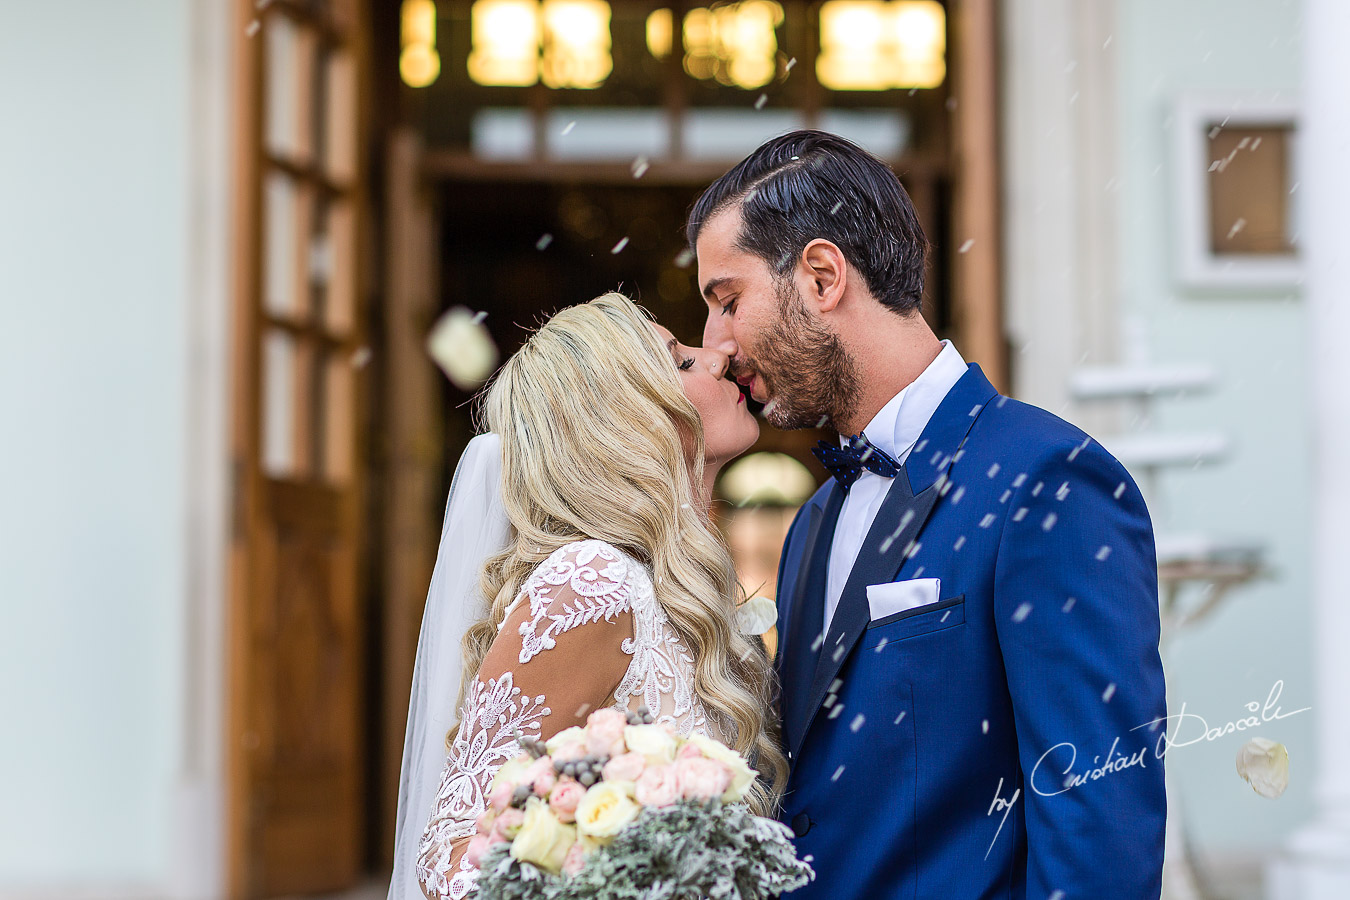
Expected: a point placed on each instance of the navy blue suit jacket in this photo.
(1035, 679)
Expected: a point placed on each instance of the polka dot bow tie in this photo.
(846, 463)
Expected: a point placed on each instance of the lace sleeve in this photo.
(561, 652)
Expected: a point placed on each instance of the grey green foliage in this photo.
(683, 852)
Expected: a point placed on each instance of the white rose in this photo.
(461, 345)
(542, 838)
(576, 734)
(756, 615)
(742, 776)
(606, 809)
(652, 741)
(1264, 764)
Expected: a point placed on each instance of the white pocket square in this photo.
(898, 596)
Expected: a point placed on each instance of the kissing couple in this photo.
(974, 587)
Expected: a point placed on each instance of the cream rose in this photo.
(1264, 764)
(511, 773)
(605, 810)
(573, 735)
(542, 839)
(742, 776)
(652, 741)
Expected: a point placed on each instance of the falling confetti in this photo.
(1050, 519)
(461, 345)
(987, 520)
(1109, 692)
(361, 357)
(984, 726)
(965, 248)
(899, 717)
(1068, 604)
(881, 645)
(618, 248)
(834, 209)
(993, 470)
(252, 28)
(582, 710)
(567, 129)
(1103, 553)
(1020, 514)
(543, 242)
(790, 63)
(834, 713)
(960, 542)
(1264, 764)
(857, 723)
(837, 772)
(763, 99)
(640, 166)
(1062, 492)
(756, 615)
(1021, 613)
(1120, 489)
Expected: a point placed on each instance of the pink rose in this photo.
(570, 752)
(576, 859)
(484, 822)
(701, 779)
(507, 824)
(500, 797)
(604, 732)
(541, 775)
(477, 847)
(657, 786)
(688, 751)
(624, 767)
(564, 799)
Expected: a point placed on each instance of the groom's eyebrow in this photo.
(711, 286)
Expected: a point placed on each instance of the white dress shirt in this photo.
(895, 429)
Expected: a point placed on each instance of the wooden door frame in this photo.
(246, 490)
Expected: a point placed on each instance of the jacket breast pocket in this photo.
(918, 621)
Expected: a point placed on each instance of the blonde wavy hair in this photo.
(599, 441)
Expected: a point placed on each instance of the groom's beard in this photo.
(811, 379)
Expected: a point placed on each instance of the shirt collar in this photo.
(897, 426)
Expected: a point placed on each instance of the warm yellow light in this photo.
(660, 33)
(737, 44)
(505, 42)
(419, 65)
(418, 62)
(576, 43)
(871, 45)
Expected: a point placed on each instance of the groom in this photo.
(968, 616)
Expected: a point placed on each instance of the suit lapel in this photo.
(887, 545)
(806, 614)
(889, 542)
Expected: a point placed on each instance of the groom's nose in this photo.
(717, 334)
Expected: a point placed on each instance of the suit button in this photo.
(801, 824)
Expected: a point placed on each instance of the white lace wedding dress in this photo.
(591, 634)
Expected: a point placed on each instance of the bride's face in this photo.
(729, 429)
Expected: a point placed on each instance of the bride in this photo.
(610, 587)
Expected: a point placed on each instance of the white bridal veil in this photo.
(475, 527)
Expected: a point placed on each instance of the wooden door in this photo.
(296, 818)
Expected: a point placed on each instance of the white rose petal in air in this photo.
(756, 615)
(1264, 764)
(461, 345)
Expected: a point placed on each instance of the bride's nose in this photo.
(719, 362)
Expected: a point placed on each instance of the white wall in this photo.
(1257, 342)
(107, 340)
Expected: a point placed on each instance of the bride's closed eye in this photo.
(685, 364)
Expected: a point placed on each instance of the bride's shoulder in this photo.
(588, 568)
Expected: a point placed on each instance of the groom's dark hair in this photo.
(810, 184)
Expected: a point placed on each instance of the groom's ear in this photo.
(823, 274)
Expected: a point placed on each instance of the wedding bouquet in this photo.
(624, 809)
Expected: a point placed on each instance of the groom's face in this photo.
(781, 351)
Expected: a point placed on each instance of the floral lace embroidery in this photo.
(601, 593)
(493, 712)
(660, 676)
